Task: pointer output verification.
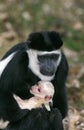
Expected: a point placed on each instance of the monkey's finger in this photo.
(51, 105)
(44, 108)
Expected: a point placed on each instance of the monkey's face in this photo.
(48, 64)
(44, 53)
(44, 64)
(43, 90)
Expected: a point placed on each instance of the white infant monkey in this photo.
(43, 93)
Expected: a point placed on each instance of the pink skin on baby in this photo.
(40, 92)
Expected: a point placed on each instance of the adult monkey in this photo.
(39, 58)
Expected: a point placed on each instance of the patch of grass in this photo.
(77, 96)
(7, 45)
(80, 105)
(73, 44)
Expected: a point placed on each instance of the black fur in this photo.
(37, 41)
(39, 119)
(18, 78)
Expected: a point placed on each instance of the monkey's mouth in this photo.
(48, 98)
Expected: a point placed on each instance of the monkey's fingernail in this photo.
(44, 108)
(51, 105)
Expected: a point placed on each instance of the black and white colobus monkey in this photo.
(39, 58)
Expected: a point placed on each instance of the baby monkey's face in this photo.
(43, 89)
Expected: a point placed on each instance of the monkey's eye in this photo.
(39, 89)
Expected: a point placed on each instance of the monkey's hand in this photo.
(47, 106)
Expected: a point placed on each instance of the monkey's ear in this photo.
(56, 39)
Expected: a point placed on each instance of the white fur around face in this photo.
(34, 64)
(4, 62)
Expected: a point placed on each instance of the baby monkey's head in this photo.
(43, 89)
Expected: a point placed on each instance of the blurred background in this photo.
(19, 18)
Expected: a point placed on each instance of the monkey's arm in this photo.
(31, 103)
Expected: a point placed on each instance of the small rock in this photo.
(3, 16)
(8, 26)
(26, 16)
(69, 53)
(82, 112)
